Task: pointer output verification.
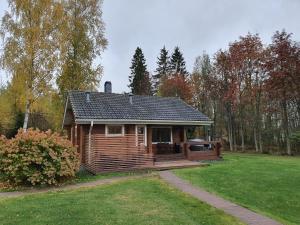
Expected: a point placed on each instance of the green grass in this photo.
(267, 184)
(135, 201)
(81, 177)
(85, 176)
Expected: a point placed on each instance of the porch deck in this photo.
(177, 164)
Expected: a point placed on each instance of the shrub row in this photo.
(35, 157)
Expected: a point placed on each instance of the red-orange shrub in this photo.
(36, 157)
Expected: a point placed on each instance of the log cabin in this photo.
(117, 132)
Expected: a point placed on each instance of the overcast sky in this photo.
(193, 25)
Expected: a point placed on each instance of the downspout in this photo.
(90, 144)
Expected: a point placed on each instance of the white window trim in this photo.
(145, 134)
(114, 135)
(171, 136)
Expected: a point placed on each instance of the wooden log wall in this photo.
(116, 153)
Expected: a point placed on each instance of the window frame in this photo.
(114, 125)
(171, 134)
(144, 126)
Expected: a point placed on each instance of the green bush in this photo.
(36, 157)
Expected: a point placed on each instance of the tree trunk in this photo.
(230, 136)
(260, 141)
(214, 128)
(229, 126)
(25, 124)
(286, 127)
(233, 135)
(298, 108)
(243, 138)
(258, 122)
(242, 133)
(255, 139)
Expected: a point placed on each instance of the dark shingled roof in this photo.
(117, 106)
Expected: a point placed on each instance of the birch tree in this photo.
(81, 42)
(29, 53)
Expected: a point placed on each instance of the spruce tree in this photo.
(177, 63)
(162, 70)
(139, 79)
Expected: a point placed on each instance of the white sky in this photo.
(194, 25)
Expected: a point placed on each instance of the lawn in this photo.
(81, 177)
(136, 201)
(85, 176)
(267, 184)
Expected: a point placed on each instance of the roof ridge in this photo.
(101, 92)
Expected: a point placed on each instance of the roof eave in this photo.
(156, 122)
(65, 112)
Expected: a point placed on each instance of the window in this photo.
(114, 130)
(140, 130)
(162, 135)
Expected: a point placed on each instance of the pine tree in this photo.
(162, 70)
(177, 63)
(139, 80)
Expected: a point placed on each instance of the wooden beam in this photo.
(149, 139)
(81, 142)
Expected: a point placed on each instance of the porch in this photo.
(182, 142)
(107, 148)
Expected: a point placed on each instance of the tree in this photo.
(257, 99)
(6, 111)
(226, 89)
(139, 80)
(176, 86)
(204, 89)
(82, 41)
(12, 118)
(177, 63)
(201, 83)
(283, 82)
(29, 31)
(163, 69)
(177, 83)
(246, 58)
